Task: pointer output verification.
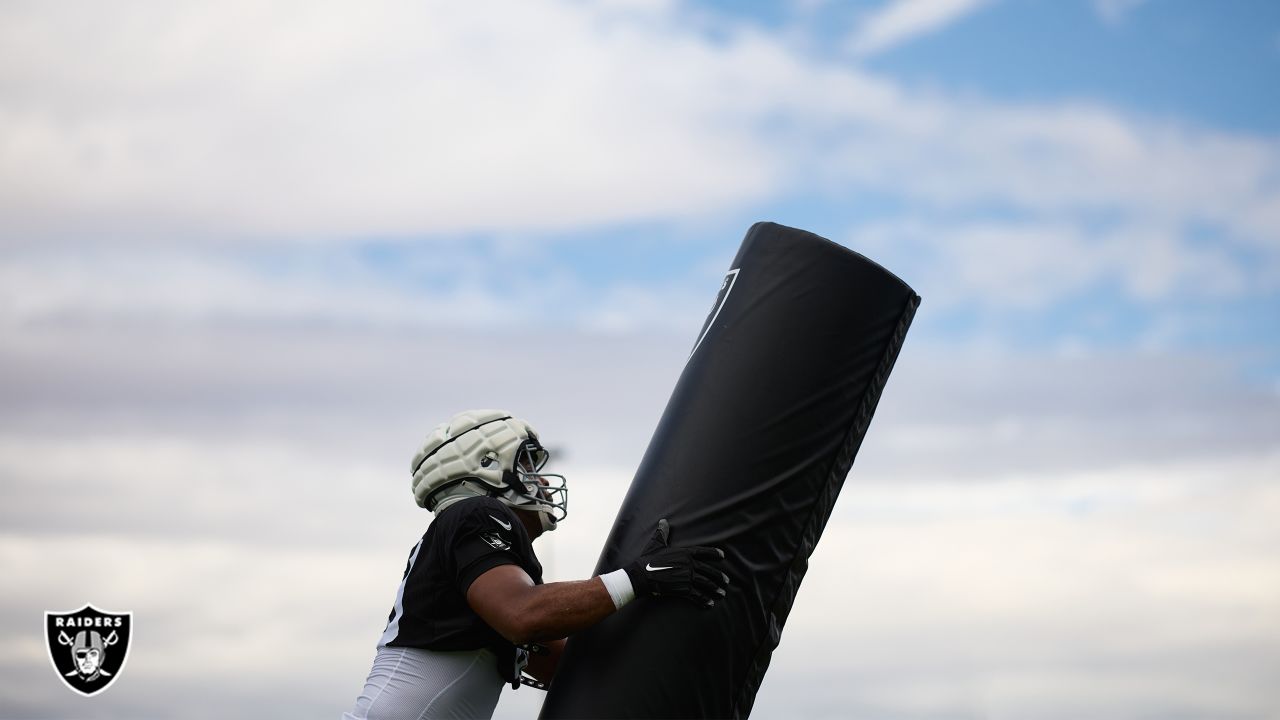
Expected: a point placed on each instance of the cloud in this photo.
(429, 285)
(229, 622)
(1029, 526)
(900, 21)
(1084, 597)
(990, 414)
(1114, 12)
(304, 119)
(182, 285)
(251, 122)
(1032, 265)
(965, 414)
(923, 599)
(1068, 159)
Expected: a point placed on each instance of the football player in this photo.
(472, 611)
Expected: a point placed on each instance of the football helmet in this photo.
(89, 650)
(488, 453)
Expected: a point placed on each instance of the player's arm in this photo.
(507, 599)
(510, 602)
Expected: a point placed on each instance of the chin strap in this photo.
(547, 523)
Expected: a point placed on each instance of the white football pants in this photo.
(416, 684)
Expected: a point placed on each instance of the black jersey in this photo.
(463, 542)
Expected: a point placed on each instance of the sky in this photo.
(251, 253)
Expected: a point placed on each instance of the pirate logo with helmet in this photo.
(88, 647)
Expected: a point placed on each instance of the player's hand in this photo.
(686, 572)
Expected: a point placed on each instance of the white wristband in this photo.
(618, 583)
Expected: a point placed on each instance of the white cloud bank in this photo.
(310, 120)
(1139, 591)
(1147, 589)
(398, 117)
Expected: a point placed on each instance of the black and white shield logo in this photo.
(88, 647)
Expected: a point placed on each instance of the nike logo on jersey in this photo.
(651, 568)
(495, 541)
(505, 525)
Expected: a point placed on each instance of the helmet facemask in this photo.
(529, 488)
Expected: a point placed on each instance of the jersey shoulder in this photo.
(481, 517)
(479, 534)
(479, 511)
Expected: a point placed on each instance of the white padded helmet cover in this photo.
(477, 444)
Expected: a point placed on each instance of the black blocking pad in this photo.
(749, 456)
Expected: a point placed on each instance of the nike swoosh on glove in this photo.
(691, 572)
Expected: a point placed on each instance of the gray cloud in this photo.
(218, 475)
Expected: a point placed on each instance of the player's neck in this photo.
(532, 523)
